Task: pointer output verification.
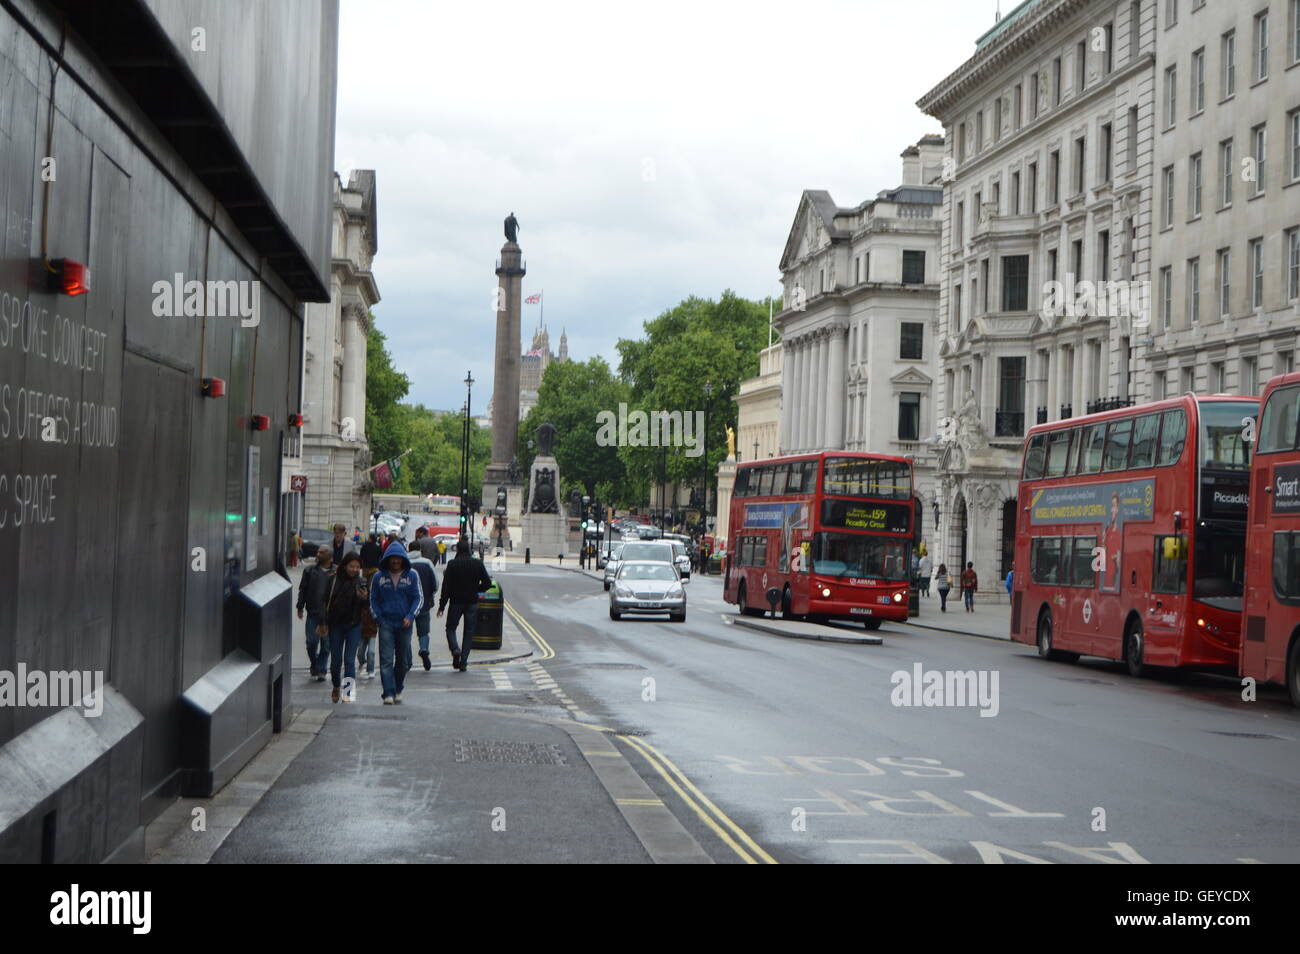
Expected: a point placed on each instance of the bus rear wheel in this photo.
(786, 611)
(1045, 649)
(1293, 672)
(745, 608)
(1134, 650)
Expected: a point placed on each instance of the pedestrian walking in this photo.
(345, 609)
(356, 537)
(1010, 574)
(943, 584)
(369, 630)
(463, 580)
(371, 552)
(427, 546)
(395, 601)
(969, 584)
(442, 551)
(295, 548)
(311, 603)
(339, 547)
(926, 565)
(423, 567)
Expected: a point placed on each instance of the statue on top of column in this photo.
(512, 228)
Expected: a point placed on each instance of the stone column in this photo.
(505, 386)
(800, 422)
(819, 388)
(805, 387)
(788, 372)
(353, 403)
(835, 389)
(1053, 383)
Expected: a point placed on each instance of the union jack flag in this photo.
(533, 299)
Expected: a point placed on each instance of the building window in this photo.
(958, 224)
(1056, 81)
(1171, 13)
(1189, 379)
(911, 340)
(913, 267)
(1054, 177)
(1292, 263)
(1194, 187)
(1171, 95)
(1166, 294)
(1295, 31)
(961, 143)
(1017, 106)
(997, 118)
(909, 416)
(1228, 64)
(1052, 256)
(1198, 81)
(956, 309)
(1080, 66)
(1033, 95)
(984, 283)
(1076, 259)
(866, 267)
(1284, 363)
(1010, 418)
(1103, 255)
(1226, 173)
(979, 132)
(1256, 247)
(1225, 282)
(1080, 149)
(857, 270)
(1295, 142)
(1194, 289)
(1259, 49)
(997, 198)
(1032, 193)
(1132, 139)
(1134, 25)
(1015, 283)
(1167, 203)
(1108, 54)
(1160, 385)
(1249, 376)
(1259, 139)
(1216, 384)
(1106, 150)
(1015, 193)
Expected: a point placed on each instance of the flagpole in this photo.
(769, 321)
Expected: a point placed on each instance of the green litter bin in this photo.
(491, 609)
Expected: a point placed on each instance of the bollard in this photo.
(561, 559)
(528, 554)
(773, 597)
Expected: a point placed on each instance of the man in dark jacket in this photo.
(423, 568)
(463, 580)
(340, 543)
(371, 553)
(311, 597)
(395, 601)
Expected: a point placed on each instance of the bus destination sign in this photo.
(867, 515)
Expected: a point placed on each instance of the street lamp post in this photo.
(704, 484)
(464, 456)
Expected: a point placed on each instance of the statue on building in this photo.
(512, 228)
(545, 438)
(544, 493)
(970, 429)
(731, 444)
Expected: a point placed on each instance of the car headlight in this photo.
(676, 590)
(621, 590)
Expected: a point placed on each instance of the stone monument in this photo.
(545, 528)
(504, 467)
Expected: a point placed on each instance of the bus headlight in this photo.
(826, 591)
(898, 597)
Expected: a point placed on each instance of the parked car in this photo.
(604, 554)
(638, 550)
(314, 539)
(648, 587)
(681, 558)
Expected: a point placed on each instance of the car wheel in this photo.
(677, 617)
(615, 614)
(872, 624)
(1135, 651)
(607, 586)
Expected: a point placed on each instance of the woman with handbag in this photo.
(345, 606)
(942, 583)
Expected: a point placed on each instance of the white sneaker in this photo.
(398, 699)
(388, 700)
(370, 675)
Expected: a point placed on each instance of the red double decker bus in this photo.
(1130, 542)
(1270, 651)
(831, 532)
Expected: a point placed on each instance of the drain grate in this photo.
(519, 753)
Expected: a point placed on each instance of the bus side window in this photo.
(1286, 566)
(1170, 567)
(742, 483)
(1094, 443)
(1117, 444)
(1143, 453)
(760, 551)
(1058, 452)
(1173, 435)
(1081, 571)
(1045, 560)
(1279, 422)
(1035, 457)
(765, 481)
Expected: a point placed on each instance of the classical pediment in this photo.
(914, 377)
(813, 228)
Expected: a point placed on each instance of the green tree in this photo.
(385, 387)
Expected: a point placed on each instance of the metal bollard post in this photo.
(528, 554)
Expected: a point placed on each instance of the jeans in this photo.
(343, 651)
(925, 586)
(455, 612)
(318, 647)
(969, 596)
(422, 630)
(394, 657)
(943, 599)
(366, 654)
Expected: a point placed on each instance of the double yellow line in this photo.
(546, 651)
(731, 834)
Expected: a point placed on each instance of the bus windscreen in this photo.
(1223, 434)
(857, 477)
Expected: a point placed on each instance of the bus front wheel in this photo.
(1293, 672)
(872, 624)
(1134, 649)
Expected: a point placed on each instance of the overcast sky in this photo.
(650, 151)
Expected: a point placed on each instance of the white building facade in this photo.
(335, 453)
(1226, 256)
(1049, 130)
(858, 331)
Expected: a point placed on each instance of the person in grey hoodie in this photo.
(395, 600)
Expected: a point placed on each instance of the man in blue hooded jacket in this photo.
(395, 601)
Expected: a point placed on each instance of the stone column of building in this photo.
(353, 403)
(836, 366)
(1053, 383)
(819, 387)
(783, 435)
(809, 403)
(796, 395)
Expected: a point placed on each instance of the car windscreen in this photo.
(647, 571)
(647, 551)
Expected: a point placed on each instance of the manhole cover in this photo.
(612, 666)
(520, 753)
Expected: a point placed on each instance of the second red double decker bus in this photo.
(1130, 539)
(832, 533)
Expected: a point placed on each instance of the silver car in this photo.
(637, 550)
(649, 587)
